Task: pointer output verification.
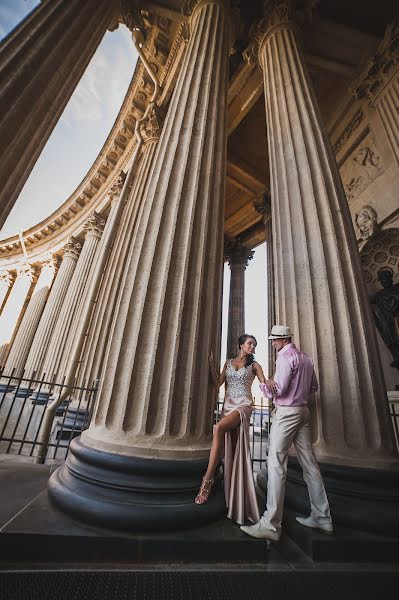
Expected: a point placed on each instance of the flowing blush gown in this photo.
(239, 487)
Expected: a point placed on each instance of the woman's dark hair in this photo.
(241, 340)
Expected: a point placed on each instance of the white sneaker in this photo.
(311, 522)
(261, 530)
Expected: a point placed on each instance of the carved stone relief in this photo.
(361, 166)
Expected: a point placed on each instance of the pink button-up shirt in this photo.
(295, 378)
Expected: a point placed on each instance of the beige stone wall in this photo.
(370, 176)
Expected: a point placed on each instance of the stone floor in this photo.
(45, 554)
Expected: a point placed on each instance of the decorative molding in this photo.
(361, 166)
(348, 132)
(263, 206)
(381, 68)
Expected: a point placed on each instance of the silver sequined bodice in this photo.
(239, 382)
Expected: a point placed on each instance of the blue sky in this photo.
(75, 143)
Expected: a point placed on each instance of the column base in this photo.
(135, 494)
(362, 499)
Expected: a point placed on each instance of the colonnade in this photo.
(147, 446)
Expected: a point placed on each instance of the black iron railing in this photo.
(23, 406)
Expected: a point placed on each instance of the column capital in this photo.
(190, 7)
(276, 14)
(49, 261)
(152, 127)
(117, 186)
(129, 14)
(94, 224)
(28, 271)
(71, 248)
(237, 254)
(263, 206)
(7, 277)
(381, 68)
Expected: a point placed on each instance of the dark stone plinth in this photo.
(363, 499)
(345, 545)
(135, 494)
(42, 534)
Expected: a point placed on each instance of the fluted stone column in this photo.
(264, 207)
(15, 308)
(34, 361)
(70, 304)
(238, 257)
(23, 340)
(153, 421)
(380, 83)
(319, 290)
(94, 228)
(109, 295)
(6, 282)
(41, 62)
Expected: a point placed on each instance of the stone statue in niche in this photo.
(385, 304)
(366, 222)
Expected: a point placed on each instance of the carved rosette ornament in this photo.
(381, 68)
(72, 248)
(152, 126)
(94, 225)
(276, 13)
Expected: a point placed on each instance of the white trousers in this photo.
(291, 425)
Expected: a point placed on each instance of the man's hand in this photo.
(271, 385)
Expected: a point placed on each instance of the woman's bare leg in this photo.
(225, 424)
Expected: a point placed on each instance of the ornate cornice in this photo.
(276, 14)
(381, 68)
(92, 193)
(71, 248)
(94, 225)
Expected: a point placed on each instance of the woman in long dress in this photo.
(238, 373)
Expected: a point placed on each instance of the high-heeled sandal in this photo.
(204, 491)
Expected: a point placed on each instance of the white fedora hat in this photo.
(280, 331)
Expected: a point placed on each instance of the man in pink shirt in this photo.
(294, 380)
